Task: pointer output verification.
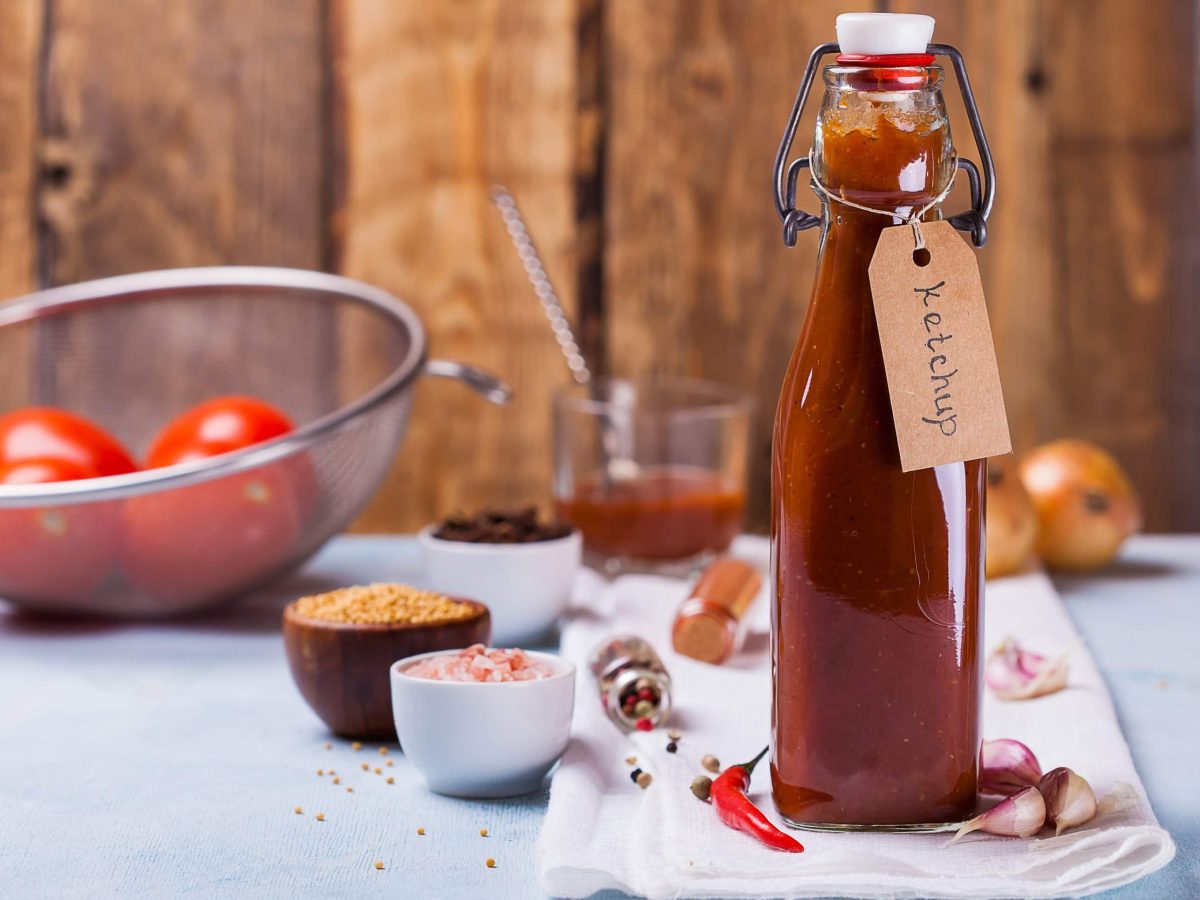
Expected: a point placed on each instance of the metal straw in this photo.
(542, 286)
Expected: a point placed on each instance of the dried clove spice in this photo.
(500, 526)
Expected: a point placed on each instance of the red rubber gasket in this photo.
(893, 59)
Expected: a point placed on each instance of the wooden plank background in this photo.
(361, 136)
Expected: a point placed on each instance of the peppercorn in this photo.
(643, 780)
(674, 735)
(644, 724)
(702, 787)
(672, 747)
(632, 760)
(633, 776)
(710, 762)
(643, 708)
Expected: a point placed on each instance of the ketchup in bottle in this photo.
(877, 573)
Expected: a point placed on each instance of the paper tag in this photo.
(937, 348)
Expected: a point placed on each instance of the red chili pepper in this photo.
(734, 808)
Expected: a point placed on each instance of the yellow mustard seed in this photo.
(379, 864)
(389, 762)
(382, 604)
(378, 771)
(383, 751)
(391, 780)
(365, 767)
(356, 746)
(333, 771)
(420, 831)
(328, 745)
(483, 832)
(337, 781)
(349, 790)
(491, 863)
(299, 811)
(320, 771)
(320, 817)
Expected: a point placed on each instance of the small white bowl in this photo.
(484, 739)
(525, 586)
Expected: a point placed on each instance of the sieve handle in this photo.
(481, 382)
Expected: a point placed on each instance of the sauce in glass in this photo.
(877, 572)
(663, 513)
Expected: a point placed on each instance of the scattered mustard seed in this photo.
(379, 864)
(490, 863)
(320, 817)
(356, 746)
(365, 767)
(483, 832)
(710, 762)
(349, 790)
(383, 751)
(299, 811)
(420, 831)
(328, 745)
(332, 771)
(378, 771)
(391, 780)
(320, 771)
(389, 762)
(337, 781)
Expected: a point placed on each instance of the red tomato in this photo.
(216, 426)
(42, 433)
(201, 542)
(54, 553)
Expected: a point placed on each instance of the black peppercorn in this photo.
(672, 747)
(633, 776)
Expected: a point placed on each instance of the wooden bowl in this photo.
(342, 669)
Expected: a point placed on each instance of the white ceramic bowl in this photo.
(525, 586)
(484, 739)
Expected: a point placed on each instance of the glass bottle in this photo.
(877, 573)
(633, 683)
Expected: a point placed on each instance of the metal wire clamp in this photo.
(973, 221)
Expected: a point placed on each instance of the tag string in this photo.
(914, 220)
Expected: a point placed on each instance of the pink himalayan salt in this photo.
(477, 663)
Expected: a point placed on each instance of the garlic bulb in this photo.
(1070, 800)
(1014, 673)
(1006, 767)
(1021, 815)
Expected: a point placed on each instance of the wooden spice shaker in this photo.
(709, 625)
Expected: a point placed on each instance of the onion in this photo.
(1011, 521)
(1086, 506)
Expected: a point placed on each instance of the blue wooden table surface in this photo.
(165, 760)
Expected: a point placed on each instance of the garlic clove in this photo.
(1014, 673)
(1021, 815)
(1007, 766)
(1070, 800)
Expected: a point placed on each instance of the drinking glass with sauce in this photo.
(653, 472)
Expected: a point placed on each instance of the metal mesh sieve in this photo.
(338, 356)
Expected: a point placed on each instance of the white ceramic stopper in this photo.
(883, 34)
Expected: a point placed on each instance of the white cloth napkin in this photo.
(603, 832)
